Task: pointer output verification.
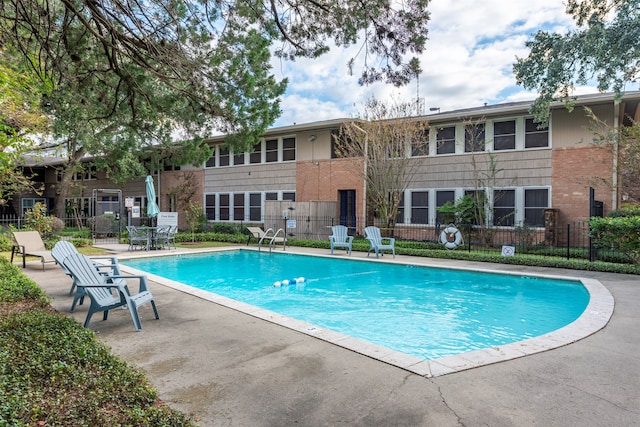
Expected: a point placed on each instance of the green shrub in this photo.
(618, 234)
(57, 224)
(627, 211)
(225, 228)
(55, 372)
(15, 286)
(6, 241)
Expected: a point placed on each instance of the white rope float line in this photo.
(300, 280)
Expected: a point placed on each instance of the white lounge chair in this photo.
(255, 232)
(270, 236)
(29, 243)
(105, 292)
(340, 239)
(377, 242)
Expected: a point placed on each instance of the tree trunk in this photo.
(63, 189)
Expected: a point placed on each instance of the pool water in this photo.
(422, 311)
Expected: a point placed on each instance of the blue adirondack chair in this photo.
(106, 291)
(340, 239)
(377, 242)
(63, 249)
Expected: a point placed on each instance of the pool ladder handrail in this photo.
(273, 238)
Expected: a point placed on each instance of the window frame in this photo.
(270, 153)
(420, 146)
(531, 135)
(475, 138)
(541, 209)
(510, 137)
(508, 211)
(255, 157)
(224, 206)
(446, 144)
(210, 206)
(438, 215)
(289, 153)
(419, 210)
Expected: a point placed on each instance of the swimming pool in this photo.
(425, 312)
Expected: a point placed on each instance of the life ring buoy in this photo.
(451, 237)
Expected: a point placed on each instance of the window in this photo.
(224, 156)
(30, 203)
(80, 206)
(534, 137)
(238, 159)
(87, 173)
(400, 215)
(210, 206)
(271, 196)
(256, 156)
(504, 207)
(535, 202)
(420, 207)
(271, 151)
(288, 149)
(474, 138)
(504, 135)
(479, 198)
(211, 163)
(289, 195)
(420, 146)
(442, 197)
(238, 207)
(224, 207)
(35, 174)
(255, 207)
(446, 140)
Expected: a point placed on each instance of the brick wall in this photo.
(321, 180)
(574, 170)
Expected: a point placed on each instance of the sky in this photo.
(467, 62)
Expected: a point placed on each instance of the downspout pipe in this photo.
(616, 148)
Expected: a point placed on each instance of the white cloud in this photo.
(467, 62)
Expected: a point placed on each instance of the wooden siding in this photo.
(521, 168)
(571, 129)
(258, 177)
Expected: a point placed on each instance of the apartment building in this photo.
(523, 169)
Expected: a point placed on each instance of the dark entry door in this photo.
(347, 200)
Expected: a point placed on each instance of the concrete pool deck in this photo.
(228, 368)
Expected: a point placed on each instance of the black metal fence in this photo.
(568, 241)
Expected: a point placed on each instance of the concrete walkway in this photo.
(227, 368)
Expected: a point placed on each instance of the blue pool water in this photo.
(422, 311)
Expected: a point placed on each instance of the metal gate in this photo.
(106, 226)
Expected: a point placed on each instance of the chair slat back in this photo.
(61, 251)
(373, 233)
(85, 273)
(83, 270)
(339, 233)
